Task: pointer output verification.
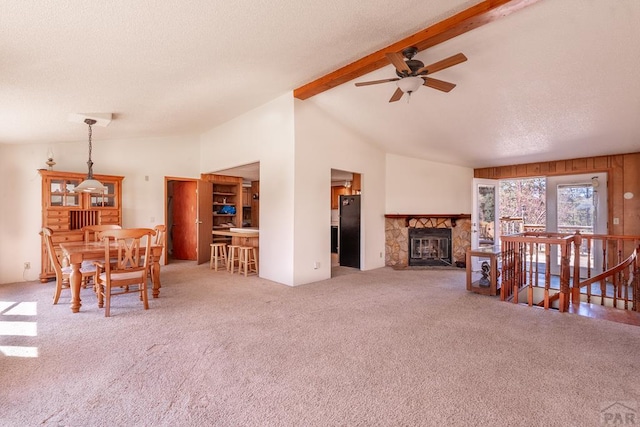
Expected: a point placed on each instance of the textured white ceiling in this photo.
(557, 79)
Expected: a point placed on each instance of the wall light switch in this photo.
(316, 265)
(616, 221)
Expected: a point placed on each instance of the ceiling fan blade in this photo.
(396, 95)
(438, 84)
(397, 61)
(375, 82)
(441, 65)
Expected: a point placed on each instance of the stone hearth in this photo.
(397, 235)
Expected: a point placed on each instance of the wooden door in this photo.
(184, 230)
(205, 220)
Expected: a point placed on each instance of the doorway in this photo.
(183, 220)
(578, 203)
(485, 218)
(189, 221)
(564, 204)
(345, 223)
(485, 229)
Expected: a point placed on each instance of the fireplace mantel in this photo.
(409, 217)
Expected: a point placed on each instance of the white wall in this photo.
(142, 200)
(264, 134)
(20, 197)
(416, 186)
(323, 144)
(296, 144)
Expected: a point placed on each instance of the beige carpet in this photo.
(384, 348)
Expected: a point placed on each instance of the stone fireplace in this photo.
(426, 240)
(430, 246)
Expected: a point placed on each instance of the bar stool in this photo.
(247, 262)
(218, 254)
(233, 258)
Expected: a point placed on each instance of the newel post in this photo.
(565, 272)
(575, 289)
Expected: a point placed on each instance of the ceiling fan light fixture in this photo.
(410, 84)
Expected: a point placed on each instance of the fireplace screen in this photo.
(430, 246)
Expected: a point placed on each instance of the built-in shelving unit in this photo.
(227, 208)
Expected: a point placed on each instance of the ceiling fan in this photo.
(412, 73)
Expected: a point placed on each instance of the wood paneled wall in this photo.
(623, 177)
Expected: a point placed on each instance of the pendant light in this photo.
(90, 184)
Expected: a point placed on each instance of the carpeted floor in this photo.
(383, 347)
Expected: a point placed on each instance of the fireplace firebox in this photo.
(430, 247)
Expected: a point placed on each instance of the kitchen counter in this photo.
(235, 233)
(245, 230)
(241, 238)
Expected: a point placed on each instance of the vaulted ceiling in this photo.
(550, 79)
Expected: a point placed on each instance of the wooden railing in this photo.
(621, 284)
(522, 259)
(511, 225)
(526, 262)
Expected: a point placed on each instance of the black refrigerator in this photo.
(349, 248)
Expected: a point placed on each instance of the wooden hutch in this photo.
(66, 212)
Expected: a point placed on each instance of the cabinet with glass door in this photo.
(61, 193)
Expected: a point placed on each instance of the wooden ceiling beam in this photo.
(482, 13)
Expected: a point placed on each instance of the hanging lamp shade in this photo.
(90, 184)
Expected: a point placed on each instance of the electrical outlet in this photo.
(27, 265)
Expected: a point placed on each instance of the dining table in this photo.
(77, 252)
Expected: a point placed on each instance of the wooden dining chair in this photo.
(87, 270)
(159, 239)
(128, 274)
(161, 236)
(91, 231)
